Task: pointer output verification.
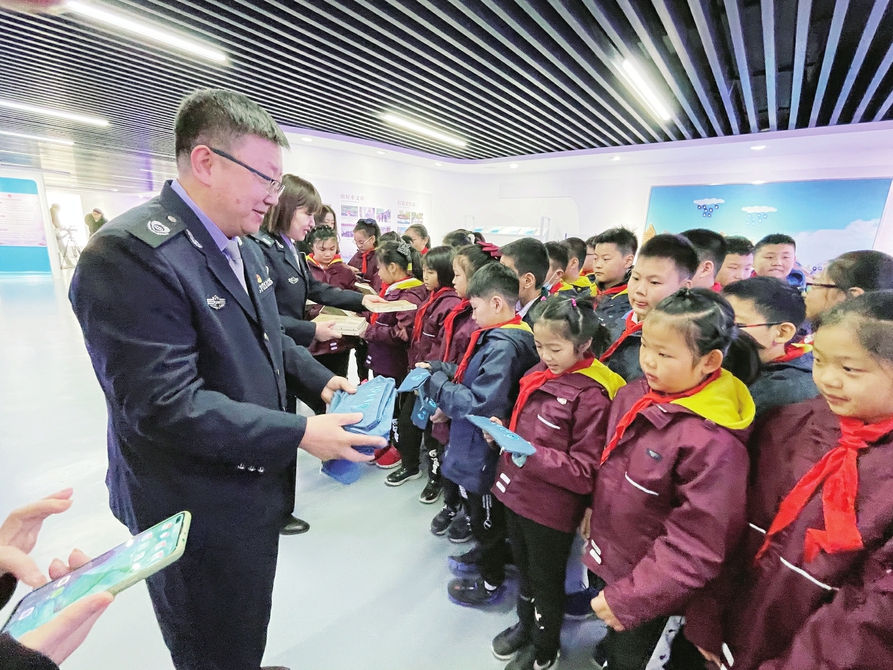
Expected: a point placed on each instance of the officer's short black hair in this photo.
(528, 255)
(774, 299)
(775, 238)
(494, 279)
(710, 245)
(218, 118)
(675, 248)
(738, 246)
(623, 238)
(576, 248)
(558, 257)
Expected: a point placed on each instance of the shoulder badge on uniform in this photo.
(293, 280)
(263, 238)
(192, 239)
(216, 302)
(158, 228)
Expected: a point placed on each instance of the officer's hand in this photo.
(336, 384)
(58, 638)
(326, 332)
(369, 300)
(326, 439)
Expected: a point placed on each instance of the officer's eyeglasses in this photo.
(274, 186)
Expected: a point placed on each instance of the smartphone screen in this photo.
(123, 566)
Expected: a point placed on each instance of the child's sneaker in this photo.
(459, 530)
(473, 592)
(402, 475)
(465, 564)
(526, 659)
(388, 458)
(510, 641)
(431, 493)
(441, 522)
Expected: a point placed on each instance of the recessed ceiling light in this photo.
(644, 89)
(52, 140)
(758, 147)
(307, 139)
(616, 158)
(513, 165)
(438, 164)
(147, 30)
(421, 129)
(57, 113)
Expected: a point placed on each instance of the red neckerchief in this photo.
(554, 288)
(791, 352)
(449, 325)
(534, 380)
(475, 336)
(631, 328)
(425, 251)
(381, 294)
(365, 258)
(420, 314)
(838, 471)
(650, 398)
(614, 290)
(717, 287)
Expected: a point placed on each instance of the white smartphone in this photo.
(125, 565)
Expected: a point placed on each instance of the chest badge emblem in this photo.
(158, 228)
(293, 280)
(216, 302)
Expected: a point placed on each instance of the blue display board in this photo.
(826, 218)
(23, 243)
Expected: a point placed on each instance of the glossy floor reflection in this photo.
(365, 588)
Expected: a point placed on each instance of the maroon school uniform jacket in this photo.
(566, 420)
(429, 340)
(669, 503)
(369, 275)
(463, 327)
(337, 274)
(837, 610)
(389, 335)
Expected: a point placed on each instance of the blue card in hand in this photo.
(414, 380)
(423, 409)
(506, 439)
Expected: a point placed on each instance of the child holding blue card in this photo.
(562, 410)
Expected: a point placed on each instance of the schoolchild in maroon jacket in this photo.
(326, 266)
(366, 235)
(669, 496)
(458, 327)
(816, 585)
(427, 334)
(389, 334)
(562, 409)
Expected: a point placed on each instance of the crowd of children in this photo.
(713, 435)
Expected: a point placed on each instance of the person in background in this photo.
(665, 264)
(95, 220)
(573, 274)
(459, 238)
(530, 261)
(847, 276)
(427, 337)
(562, 409)
(326, 217)
(558, 260)
(613, 254)
(420, 240)
(813, 586)
(668, 504)
(711, 248)
(485, 383)
(392, 236)
(771, 311)
(776, 256)
(366, 235)
(49, 645)
(389, 334)
(738, 264)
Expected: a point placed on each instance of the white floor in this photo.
(365, 588)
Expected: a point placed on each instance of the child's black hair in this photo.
(390, 236)
(322, 232)
(867, 269)
(558, 256)
(528, 255)
(401, 253)
(709, 245)
(775, 238)
(494, 279)
(422, 232)
(774, 299)
(440, 261)
(458, 238)
(369, 228)
(738, 246)
(675, 248)
(707, 321)
(870, 316)
(473, 258)
(624, 239)
(576, 248)
(576, 317)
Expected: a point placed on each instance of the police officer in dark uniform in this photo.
(182, 327)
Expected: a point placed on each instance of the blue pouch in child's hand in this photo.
(507, 440)
(342, 470)
(414, 380)
(422, 411)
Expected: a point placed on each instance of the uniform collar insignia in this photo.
(192, 239)
(158, 228)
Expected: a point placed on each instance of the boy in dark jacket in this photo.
(770, 310)
(530, 261)
(665, 264)
(613, 253)
(485, 383)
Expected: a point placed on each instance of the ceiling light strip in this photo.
(424, 130)
(37, 138)
(55, 113)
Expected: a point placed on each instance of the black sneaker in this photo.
(431, 493)
(402, 475)
(600, 655)
(465, 564)
(578, 606)
(442, 521)
(510, 641)
(526, 659)
(474, 592)
(459, 530)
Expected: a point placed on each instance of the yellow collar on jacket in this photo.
(726, 402)
(409, 282)
(601, 373)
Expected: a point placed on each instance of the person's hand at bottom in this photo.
(325, 438)
(603, 612)
(710, 656)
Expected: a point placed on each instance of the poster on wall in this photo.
(21, 220)
(826, 218)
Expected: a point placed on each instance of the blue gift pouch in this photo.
(414, 380)
(423, 409)
(507, 440)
